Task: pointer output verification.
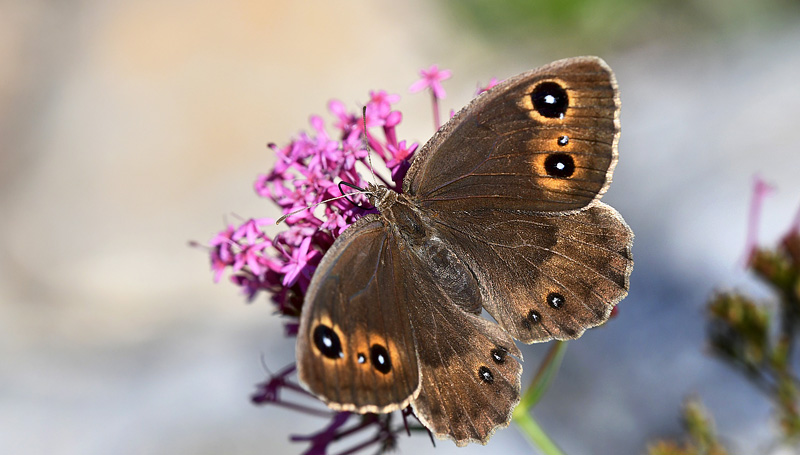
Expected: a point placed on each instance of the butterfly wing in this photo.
(355, 345)
(470, 383)
(544, 275)
(513, 183)
(545, 140)
(379, 298)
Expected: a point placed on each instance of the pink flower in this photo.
(382, 102)
(284, 160)
(251, 229)
(492, 82)
(249, 284)
(218, 265)
(335, 222)
(372, 116)
(400, 161)
(400, 153)
(346, 120)
(431, 78)
(222, 254)
(298, 263)
(761, 189)
(306, 172)
(253, 257)
(301, 225)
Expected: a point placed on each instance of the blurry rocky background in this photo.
(128, 128)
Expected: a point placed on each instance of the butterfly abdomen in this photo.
(451, 274)
(447, 271)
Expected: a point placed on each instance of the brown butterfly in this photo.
(500, 211)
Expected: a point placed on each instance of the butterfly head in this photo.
(380, 196)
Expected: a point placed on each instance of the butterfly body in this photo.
(500, 211)
(417, 231)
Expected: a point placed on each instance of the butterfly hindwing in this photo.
(544, 275)
(470, 378)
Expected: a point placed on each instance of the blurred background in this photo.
(128, 128)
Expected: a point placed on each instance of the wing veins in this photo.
(492, 245)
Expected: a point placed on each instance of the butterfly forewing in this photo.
(542, 141)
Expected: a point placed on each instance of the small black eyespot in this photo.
(380, 359)
(550, 100)
(563, 140)
(499, 354)
(326, 340)
(559, 165)
(556, 300)
(534, 317)
(485, 375)
(361, 358)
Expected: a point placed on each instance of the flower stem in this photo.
(436, 120)
(523, 416)
(536, 436)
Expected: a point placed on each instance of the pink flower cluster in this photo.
(306, 172)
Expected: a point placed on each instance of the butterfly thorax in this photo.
(401, 215)
(381, 197)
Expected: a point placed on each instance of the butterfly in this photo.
(500, 211)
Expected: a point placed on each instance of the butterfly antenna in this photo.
(311, 206)
(366, 145)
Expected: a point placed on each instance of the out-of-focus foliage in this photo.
(757, 339)
(702, 438)
(596, 25)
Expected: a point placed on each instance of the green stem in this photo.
(536, 436)
(523, 416)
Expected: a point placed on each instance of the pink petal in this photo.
(438, 90)
(303, 250)
(393, 119)
(337, 108)
(419, 85)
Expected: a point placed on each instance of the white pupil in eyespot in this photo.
(327, 342)
(550, 99)
(560, 166)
